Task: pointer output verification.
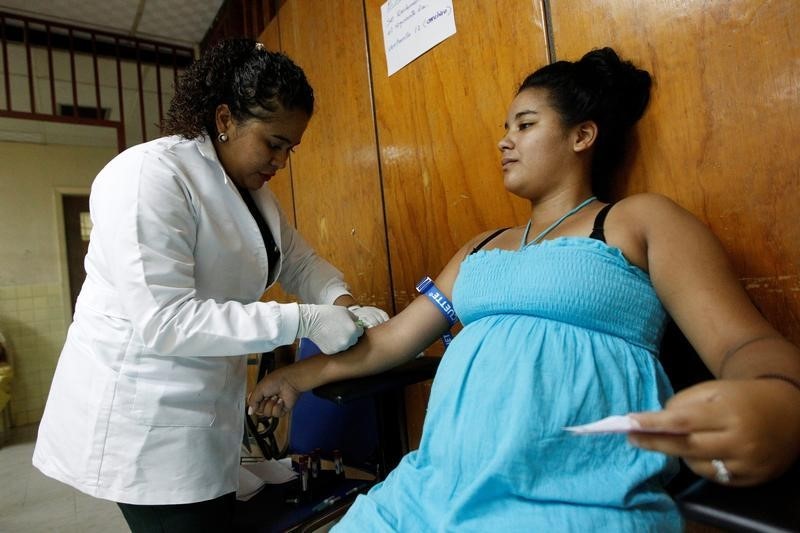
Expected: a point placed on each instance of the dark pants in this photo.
(213, 516)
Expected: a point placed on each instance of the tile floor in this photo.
(31, 502)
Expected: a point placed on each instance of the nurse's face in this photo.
(257, 148)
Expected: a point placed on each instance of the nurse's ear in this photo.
(223, 120)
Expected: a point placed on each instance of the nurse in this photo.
(146, 407)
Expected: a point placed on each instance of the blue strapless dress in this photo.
(558, 334)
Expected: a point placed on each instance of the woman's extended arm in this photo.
(750, 416)
(380, 348)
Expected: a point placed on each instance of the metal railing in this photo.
(42, 78)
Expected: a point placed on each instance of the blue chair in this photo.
(363, 418)
(318, 423)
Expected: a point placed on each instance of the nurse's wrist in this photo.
(289, 323)
(345, 300)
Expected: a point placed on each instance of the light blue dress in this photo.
(557, 334)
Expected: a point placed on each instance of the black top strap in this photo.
(273, 252)
(487, 239)
(598, 232)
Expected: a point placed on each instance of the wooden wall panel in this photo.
(281, 183)
(718, 137)
(439, 121)
(337, 192)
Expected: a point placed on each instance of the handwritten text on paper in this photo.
(412, 27)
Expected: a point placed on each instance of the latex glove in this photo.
(369, 316)
(331, 327)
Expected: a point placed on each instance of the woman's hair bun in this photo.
(625, 89)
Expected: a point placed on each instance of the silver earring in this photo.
(222, 137)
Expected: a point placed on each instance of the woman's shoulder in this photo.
(163, 148)
(174, 147)
(655, 218)
(166, 159)
(638, 221)
(185, 159)
(645, 201)
(644, 209)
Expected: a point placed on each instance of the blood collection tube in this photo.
(338, 464)
(305, 493)
(316, 464)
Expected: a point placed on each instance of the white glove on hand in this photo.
(369, 316)
(331, 327)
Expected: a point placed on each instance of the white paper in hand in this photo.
(611, 424)
(616, 424)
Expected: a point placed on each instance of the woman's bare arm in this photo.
(745, 418)
(383, 347)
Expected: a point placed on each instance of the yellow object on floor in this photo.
(6, 374)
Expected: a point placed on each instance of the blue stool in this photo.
(320, 423)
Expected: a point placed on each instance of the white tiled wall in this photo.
(32, 320)
(33, 179)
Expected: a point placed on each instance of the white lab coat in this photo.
(147, 402)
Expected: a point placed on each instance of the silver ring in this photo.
(721, 472)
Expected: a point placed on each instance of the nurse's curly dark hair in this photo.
(241, 73)
(602, 88)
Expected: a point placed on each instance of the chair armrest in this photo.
(771, 507)
(342, 392)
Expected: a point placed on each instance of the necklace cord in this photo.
(554, 225)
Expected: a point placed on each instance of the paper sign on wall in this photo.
(412, 27)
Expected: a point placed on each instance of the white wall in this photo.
(86, 96)
(32, 286)
(37, 160)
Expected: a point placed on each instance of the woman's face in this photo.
(536, 148)
(257, 148)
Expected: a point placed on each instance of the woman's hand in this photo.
(752, 426)
(274, 395)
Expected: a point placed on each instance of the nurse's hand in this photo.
(331, 327)
(274, 395)
(751, 425)
(369, 316)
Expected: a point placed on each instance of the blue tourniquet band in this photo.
(427, 287)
